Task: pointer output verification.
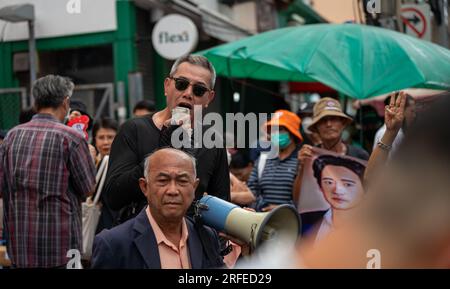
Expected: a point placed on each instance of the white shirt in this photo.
(326, 226)
(397, 141)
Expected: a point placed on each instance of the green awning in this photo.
(338, 56)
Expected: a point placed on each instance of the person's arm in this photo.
(125, 169)
(253, 181)
(240, 193)
(304, 153)
(245, 248)
(393, 119)
(93, 152)
(82, 169)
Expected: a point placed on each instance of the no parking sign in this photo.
(416, 20)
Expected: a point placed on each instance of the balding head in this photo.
(163, 153)
(169, 184)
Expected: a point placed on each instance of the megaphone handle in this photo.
(252, 238)
(227, 250)
(197, 209)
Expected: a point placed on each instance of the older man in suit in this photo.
(160, 236)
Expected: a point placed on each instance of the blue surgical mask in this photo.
(282, 140)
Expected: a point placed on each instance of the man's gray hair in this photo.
(195, 60)
(51, 90)
(147, 162)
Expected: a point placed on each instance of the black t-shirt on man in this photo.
(139, 137)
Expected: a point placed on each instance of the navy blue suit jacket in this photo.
(311, 222)
(132, 245)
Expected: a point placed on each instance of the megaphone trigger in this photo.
(203, 206)
(252, 234)
(198, 207)
(252, 240)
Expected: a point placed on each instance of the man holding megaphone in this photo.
(160, 236)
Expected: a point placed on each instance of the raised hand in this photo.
(304, 153)
(394, 113)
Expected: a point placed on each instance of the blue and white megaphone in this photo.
(281, 224)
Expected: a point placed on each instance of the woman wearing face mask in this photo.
(272, 178)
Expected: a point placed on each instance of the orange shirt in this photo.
(171, 256)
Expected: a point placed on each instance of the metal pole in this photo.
(398, 17)
(361, 134)
(443, 28)
(242, 98)
(32, 57)
(121, 110)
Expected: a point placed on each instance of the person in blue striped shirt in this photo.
(272, 179)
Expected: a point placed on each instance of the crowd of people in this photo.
(148, 218)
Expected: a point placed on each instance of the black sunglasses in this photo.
(181, 84)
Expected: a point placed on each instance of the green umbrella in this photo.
(357, 60)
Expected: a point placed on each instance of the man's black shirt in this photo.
(139, 137)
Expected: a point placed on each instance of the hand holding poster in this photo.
(332, 185)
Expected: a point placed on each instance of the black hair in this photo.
(144, 104)
(104, 123)
(324, 160)
(240, 160)
(78, 105)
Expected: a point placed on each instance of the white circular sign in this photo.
(174, 36)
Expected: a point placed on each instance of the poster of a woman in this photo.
(332, 186)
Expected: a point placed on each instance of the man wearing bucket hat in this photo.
(271, 179)
(329, 121)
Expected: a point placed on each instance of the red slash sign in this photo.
(407, 21)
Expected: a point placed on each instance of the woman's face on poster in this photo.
(341, 187)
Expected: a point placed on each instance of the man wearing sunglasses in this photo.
(190, 82)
